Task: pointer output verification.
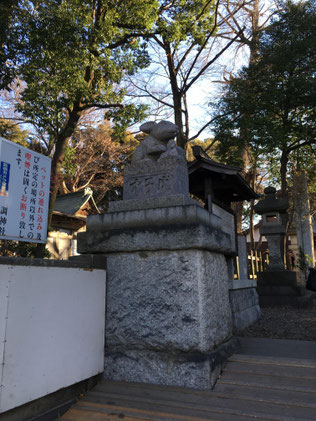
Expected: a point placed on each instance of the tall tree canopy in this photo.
(274, 100)
(71, 56)
(94, 159)
(182, 54)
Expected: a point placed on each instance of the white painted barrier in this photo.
(51, 330)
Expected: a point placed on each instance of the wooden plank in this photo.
(274, 382)
(154, 414)
(75, 414)
(257, 261)
(213, 403)
(251, 387)
(273, 370)
(284, 397)
(252, 266)
(237, 267)
(289, 362)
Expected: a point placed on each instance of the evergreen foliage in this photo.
(274, 99)
(72, 55)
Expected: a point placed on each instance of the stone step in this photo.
(273, 361)
(305, 301)
(257, 368)
(279, 290)
(261, 394)
(277, 348)
(269, 381)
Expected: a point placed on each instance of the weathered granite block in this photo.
(245, 307)
(245, 318)
(146, 179)
(175, 301)
(177, 227)
(281, 288)
(241, 299)
(152, 203)
(279, 278)
(194, 370)
(162, 216)
(242, 257)
(162, 309)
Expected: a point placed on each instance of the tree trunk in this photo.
(284, 161)
(251, 226)
(176, 96)
(303, 220)
(253, 44)
(181, 140)
(238, 210)
(239, 206)
(57, 162)
(253, 47)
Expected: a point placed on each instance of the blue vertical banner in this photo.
(4, 178)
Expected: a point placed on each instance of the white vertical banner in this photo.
(24, 193)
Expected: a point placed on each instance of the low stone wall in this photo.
(244, 302)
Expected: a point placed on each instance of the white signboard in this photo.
(24, 193)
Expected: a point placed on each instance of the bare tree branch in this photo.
(204, 68)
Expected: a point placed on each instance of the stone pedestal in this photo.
(277, 286)
(281, 288)
(168, 316)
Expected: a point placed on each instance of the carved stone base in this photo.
(148, 179)
(166, 313)
(278, 288)
(193, 370)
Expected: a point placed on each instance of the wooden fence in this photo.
(257, 262)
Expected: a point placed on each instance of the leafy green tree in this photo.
(93, 158)
(6, 15)
(248, 23)
(12, 248)
(183, 52)
(72, 55)
(13, 132)
(274, 100)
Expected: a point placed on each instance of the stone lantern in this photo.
(274, 218)
(277, 286)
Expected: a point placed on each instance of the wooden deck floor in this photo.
(261, 383)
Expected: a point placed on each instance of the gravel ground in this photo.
(285, 323)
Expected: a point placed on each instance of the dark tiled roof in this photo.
(227, 184)
(71, 203)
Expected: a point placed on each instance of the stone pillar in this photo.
(242, 257)
(303, 220)
(244, 299)
(168, 317)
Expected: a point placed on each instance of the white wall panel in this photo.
(54, 331)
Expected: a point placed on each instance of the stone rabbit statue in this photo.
(159, 144)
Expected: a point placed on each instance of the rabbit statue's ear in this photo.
(147, 127)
